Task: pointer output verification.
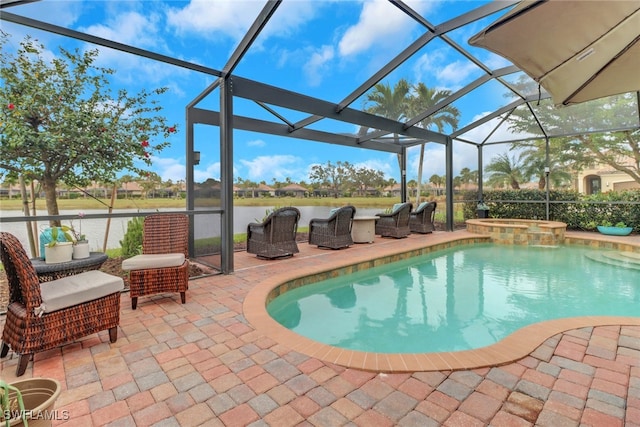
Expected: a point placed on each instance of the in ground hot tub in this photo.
(519, 231)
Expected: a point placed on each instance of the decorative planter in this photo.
(39, 395)
(615, 231)
(81, 250)
(483, 213)
(61, 252)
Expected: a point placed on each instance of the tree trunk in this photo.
(542, 184)
(420, 173)
(49, 187)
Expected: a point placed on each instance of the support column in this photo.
(403, 175)
(190, 182)
(226, 173)
(480, 177)
(449, 183)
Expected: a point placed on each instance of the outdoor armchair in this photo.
(396, 223)
(335, 231)
(421, 220)
(275, 237)
(45, 315)
(163, 266)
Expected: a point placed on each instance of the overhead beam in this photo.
(199, 115)
(256, 91)
(251, 35)
(56, 29)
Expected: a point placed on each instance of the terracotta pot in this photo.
(39, 395)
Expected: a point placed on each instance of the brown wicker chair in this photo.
(31, 328)
(421, 221)
(396, 223)
(333, 232)
(162, 236)
(275, 237)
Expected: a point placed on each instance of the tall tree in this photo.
(60, 122)
(421, 100)
(392, 103)
(332, 175)
(620, 150)
(503, 168)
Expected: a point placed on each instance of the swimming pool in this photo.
(457, 299)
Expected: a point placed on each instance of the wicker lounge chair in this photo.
(396, 223)
(333, 232)
(275, 237)
(421, 220)
(43, 316)
(163, 266)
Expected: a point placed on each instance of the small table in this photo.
(363, 229)
(48, 272)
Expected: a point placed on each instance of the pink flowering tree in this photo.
(61, 123)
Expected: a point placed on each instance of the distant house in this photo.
(392, 190)
(261, 190)
(602, 178)
(295, 190)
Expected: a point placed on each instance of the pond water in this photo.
(95, 229)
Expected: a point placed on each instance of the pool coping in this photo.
(515, 346)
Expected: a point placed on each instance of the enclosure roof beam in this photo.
(56, 29)
(199, 115)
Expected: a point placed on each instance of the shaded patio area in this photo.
(202, 363)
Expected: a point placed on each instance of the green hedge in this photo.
(582, 213)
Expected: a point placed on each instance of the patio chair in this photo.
(335, 231)
(45, 315)
(421, 220)
(163, 266)
(396, 223)
(275, 237)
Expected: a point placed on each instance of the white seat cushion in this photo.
(145, 261)
(71, 290)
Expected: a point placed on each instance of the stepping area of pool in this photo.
(204, 363)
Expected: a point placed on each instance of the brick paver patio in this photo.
(202, 363)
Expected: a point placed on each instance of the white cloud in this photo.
(130, 28)
(229, 19)
(379, 21)
(138, 30)
(380, 24)
(256, 143)
(211, 171)
(429, 68)
(278, 166)
(169, 168)
(317, 65)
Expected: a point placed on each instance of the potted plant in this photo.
(80, 244)
(59, 247)
(30, 399)
(619, 229)
(482, 210)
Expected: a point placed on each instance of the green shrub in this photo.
(579, 212)
(131, 243)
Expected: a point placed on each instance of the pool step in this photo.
(629, 260)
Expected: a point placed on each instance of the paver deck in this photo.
(203, 363)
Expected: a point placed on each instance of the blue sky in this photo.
(323, 49)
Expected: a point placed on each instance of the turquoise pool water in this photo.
(457, 299)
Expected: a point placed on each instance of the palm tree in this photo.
(506, 169)
(423, 99)
(390, 103)
(534, 162)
